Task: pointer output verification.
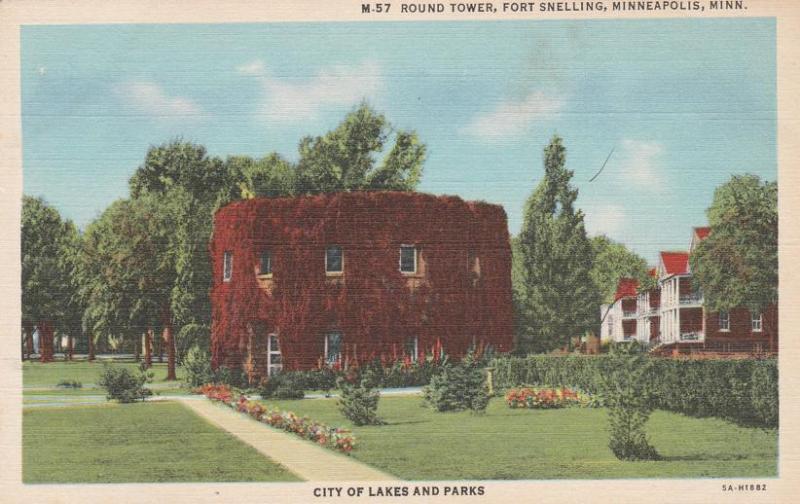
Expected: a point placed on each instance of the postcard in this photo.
(400, 251)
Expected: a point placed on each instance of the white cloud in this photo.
(608, 219)
(255, 67)
(332, 86)
(640, 164)
(151, 99)
(512, 118)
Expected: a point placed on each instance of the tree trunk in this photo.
(91, 346)
(160, 348)
(70, 348)
(170, 341)
(45, 342)
(137, 349)
(148, 356)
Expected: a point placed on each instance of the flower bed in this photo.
(546, 398)
(220, 393)
(333, 438)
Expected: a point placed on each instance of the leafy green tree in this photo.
(47, 288)
(71, 321)
(99, 288)
(126, 271)
(179, 163)
(559, 297)
(614, 261)
(189, 186)
(344, 159)
(271, 176)
(737, 265)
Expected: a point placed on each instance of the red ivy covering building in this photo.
(344, 278)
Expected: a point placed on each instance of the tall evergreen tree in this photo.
(559, 299)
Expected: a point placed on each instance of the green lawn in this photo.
(36, 374)
(420, 444)
(155, 442)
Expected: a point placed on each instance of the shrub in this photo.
(124, 385)
(629, 398)
(190, 337)
(321, 379)
(289, 392)
(283, 386)
(765, 393)
(458, 387)
(370, 377)
(65, 383)
(197, 367)
(742, 390)
(235, 378)
(359, 402)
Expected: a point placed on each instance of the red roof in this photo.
(652, 272)
(626, 288)
(676, 263)
(702, 232)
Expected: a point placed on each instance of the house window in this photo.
(408, 259)
(756, 322)
(333, 345)
(724, 321)
(265, 263)
(227, 266)
(274, 361)
(334, 260)
(412, 348)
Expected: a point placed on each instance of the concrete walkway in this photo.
(302, 457)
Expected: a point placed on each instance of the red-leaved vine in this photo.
(461, 294)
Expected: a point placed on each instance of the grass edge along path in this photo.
(310, 462)
(152, 442)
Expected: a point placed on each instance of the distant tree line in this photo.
(140, 271)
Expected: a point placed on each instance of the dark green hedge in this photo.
(744, 391)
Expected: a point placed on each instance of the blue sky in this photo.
(683, 103)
